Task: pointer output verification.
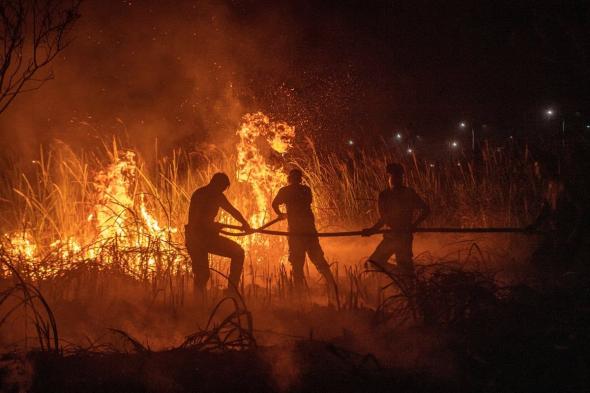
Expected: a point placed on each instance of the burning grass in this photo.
(111, 209)
(73, 216)
(101, 232)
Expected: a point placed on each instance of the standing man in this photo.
(397, 207)
(562, 218)
(297, 198)
(202, 233)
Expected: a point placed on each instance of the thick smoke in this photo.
(185, 72)
(181, 72)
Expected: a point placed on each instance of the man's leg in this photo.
(404, 254)
(382, 253)
(225, 247)
(297, 259)
(316, 255)
(200, 265)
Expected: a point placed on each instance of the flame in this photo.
(21, 245)
(114, 200)
(115, 215)
(120, 229)
(260, 138)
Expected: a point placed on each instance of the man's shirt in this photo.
(297, 198)
(204, 207)
(398, 205)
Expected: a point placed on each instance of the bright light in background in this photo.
(462, 124)
(350, 142)
(410, 150)
(549, 112)
(398, 136)
(454, 144)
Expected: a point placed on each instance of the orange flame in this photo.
(260, 138)
(120, 226)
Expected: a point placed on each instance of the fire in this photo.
(117, 226)
(21, 245)
(120, 217)
(122, 228)
(260, 138)
(113, 186)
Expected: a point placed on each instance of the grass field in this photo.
(93, 262)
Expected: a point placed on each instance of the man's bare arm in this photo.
(276, 205)
(235, 213)
(424, 212)
(379, 224)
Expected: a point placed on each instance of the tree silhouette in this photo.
(32, 34)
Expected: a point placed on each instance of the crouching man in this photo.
(202, 233)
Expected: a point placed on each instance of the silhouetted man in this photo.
(202, 232)
(561, 217)
(297, 197)
(397, 207)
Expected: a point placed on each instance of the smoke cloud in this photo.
(181, 72)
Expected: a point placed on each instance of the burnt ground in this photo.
(319, 367)
(463, 331)
(517, 339)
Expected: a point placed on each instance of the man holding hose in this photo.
(297, 198)
(397, 207)
(202, 233)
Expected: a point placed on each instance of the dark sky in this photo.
(186, 71)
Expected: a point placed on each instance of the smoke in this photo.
(179, 72)
(185, 72)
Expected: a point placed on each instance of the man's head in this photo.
(219, 181)
(395, 174)
(295, 176)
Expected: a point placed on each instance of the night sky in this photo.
(186, 71)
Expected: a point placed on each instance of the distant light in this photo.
(462, 124)
(410, 150)
(454, 144)
(350, 142)
(398, 136)
(549, 112)
(587, 125)
(511, 137)
(458, 164)
(432, 165)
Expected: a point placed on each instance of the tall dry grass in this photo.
(52, 198)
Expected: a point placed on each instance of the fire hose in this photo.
(264, 231)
